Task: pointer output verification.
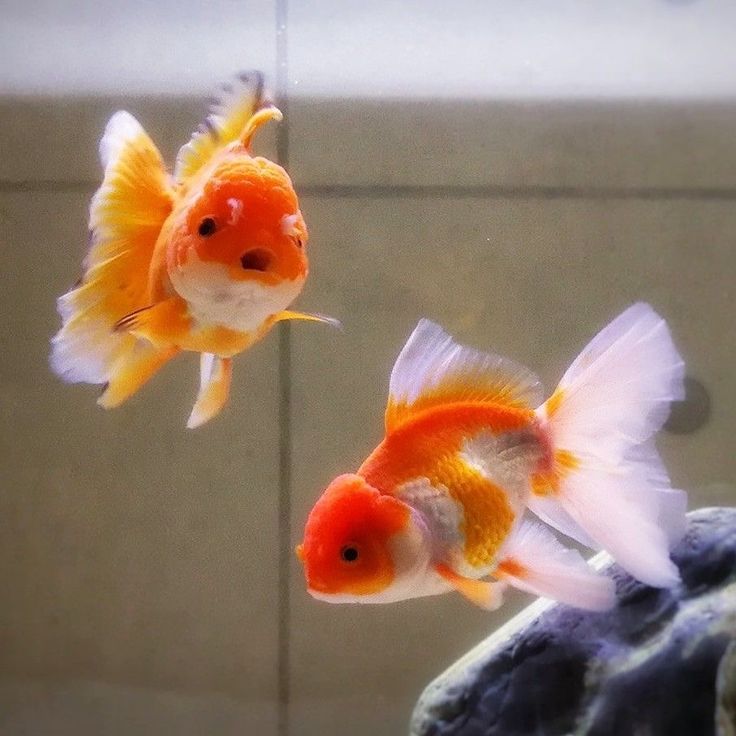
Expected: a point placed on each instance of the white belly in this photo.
(215, 298)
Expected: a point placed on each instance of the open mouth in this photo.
(257, 259)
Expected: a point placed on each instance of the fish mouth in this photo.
(256, 259)
(315, 585)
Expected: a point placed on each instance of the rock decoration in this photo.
(661, 663)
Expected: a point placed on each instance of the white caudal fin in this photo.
(606, 485)
(532, 559)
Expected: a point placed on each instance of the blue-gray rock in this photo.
(661, 663)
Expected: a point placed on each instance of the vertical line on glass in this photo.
(284, 379)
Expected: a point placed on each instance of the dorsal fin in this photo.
(432, 369)
(231, 111)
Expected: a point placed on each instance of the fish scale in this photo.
(429, 447)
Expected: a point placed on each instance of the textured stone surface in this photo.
(662, 663)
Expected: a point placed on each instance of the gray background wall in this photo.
(148, 579)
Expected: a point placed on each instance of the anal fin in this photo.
(534, 560)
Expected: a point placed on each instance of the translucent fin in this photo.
(228, 120)
(483, 593)
(620, 387)
(132, 370)
(627, 518)
(161, 324)
(549, 510)
(215, 375)
(259, 119)
(126, 215)
(534, 560)
(432, 369)
(290, 315)
(603, 416)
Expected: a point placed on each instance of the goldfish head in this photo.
(237, 248)
(363, 546)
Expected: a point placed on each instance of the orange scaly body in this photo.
(430, 446)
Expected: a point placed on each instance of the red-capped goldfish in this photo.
(469, 447)
(206, 260)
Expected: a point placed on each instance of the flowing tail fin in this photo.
(606, 486)
(126, 216)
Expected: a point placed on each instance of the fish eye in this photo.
(349, 553)
(207, 227)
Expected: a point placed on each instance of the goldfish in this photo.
(476, 469)
(205, 260)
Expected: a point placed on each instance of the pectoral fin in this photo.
(287, 315)
(214, 388)
(483, 593)
(160, 324)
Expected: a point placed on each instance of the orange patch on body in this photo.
(428, 446)
(410, 450)
(488, 515)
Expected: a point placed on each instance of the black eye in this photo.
(349, 553)
(300, 242)
(207, 227)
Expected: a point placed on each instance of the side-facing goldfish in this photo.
(469, 446)
(206, 260)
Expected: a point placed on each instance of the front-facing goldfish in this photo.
(469, 446)
(206, 261)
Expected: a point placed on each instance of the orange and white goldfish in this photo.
(206, 260)
(469, 447)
